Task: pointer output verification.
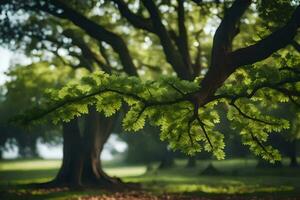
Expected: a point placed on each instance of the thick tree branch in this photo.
(135, 19)
(172, 54)
(265, 47)
(87, 53)
(104, 53)
(227, 30)
(183, 36)
(96, 31)
(222, 43)
(197, 63)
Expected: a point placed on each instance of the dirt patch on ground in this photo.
(149, 196)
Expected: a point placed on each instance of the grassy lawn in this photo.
(237, 178)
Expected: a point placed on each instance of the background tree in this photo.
(25, 88)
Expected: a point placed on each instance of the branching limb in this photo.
(257, 141)
(227, 30)
(149, 66)
(202, 125)
(146, 103)
(87, 53)
(197, 64)
(219, 69)
(93, 29)
(182, 43)
(249, 117)
(275, 86)
(135, 19)
(177, 89)
(104, 53)
(172, 54)
(265, 47)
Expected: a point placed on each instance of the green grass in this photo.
(237, 177)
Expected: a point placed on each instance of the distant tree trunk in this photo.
(191, 162)
(167, 160)
(27, 145)
(292, 153)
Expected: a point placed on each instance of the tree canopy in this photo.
(250, 75)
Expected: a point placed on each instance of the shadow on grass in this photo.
(28, 176)
(246, 183)
(26, 192)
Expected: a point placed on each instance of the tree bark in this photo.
(97, 131)
(81, 165)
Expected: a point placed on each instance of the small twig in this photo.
(249, 117)
(204, 131)
(177, 89)
(180, 135)
(149, 92)
(255, 139)
(189, 129)
(141, 112)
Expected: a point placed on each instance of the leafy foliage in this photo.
(168, 103)
(250, 93)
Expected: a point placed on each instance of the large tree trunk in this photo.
(97, 131)
(81, 153)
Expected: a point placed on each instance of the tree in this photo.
(233, 76)
(25, 88)
(39, 46)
